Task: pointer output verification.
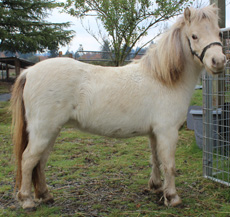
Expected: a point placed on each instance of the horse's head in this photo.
(203, 36)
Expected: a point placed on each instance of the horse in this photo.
(147, 97)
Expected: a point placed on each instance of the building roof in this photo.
(11, 61)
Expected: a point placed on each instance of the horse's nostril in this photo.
(213, 61)
(218, 62)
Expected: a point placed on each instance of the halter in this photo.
(201, 57)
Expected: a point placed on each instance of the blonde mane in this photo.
(210, 12)
(165, 60)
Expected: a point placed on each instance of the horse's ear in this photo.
(187, 15)
(216, 9)
(214, 5)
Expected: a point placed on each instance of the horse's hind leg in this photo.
(29, 161)
(166, 148)
(155, 178)
(40, 188)
(34, 156)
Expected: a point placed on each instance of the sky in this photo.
(88, 42)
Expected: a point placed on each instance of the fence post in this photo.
(222, 13)
(207, 125)
(17, 66)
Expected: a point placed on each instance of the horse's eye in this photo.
(194, 37)
(220, 35)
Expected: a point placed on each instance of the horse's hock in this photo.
(216, 130)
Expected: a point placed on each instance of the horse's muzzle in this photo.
(219, 63)
(215, 63)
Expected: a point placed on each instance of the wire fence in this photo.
(216, 121)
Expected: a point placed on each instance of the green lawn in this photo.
(97, 176)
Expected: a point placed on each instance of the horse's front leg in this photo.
(155, 178)
(166, 148)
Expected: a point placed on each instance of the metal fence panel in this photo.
(216, 121)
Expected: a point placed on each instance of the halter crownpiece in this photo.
(201, 57)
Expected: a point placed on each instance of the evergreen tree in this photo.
(23, 28)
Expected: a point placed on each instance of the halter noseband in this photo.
(201, 57)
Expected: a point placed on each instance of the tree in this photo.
(23, 28)
(80, 50)
(125, 21)
(106, 50)
(53, 53)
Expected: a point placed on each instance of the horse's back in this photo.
(56, 69)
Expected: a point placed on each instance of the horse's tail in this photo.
(19, 125)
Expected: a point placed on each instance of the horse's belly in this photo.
(118, 127)
(116, 132)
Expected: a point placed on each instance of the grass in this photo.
(97, 176)
(197, 98)
(4, 87)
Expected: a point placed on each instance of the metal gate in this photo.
(216, 121)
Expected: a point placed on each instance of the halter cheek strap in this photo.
(201, 57)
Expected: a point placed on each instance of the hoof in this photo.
(172, 200)
(26, 202)
(48, 201)
(28, 205)
(156, 187)
(32, 209)
(45, 197)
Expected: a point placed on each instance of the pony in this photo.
(148, 97)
